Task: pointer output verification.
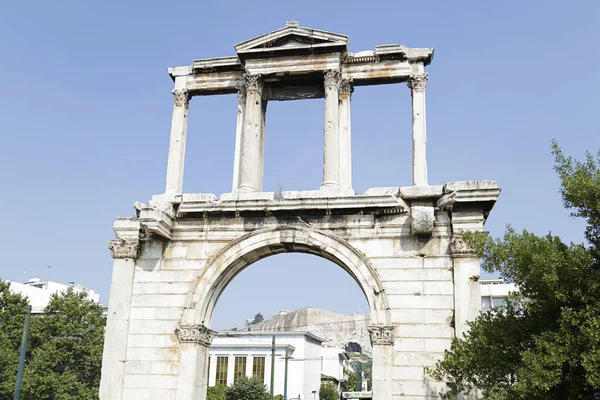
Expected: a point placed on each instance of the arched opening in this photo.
(230, 261)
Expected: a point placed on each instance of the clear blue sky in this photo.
(85, 111)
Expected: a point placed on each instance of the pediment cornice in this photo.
(292, 37)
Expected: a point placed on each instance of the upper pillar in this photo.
(331, 141)
(417, 83)
(345, 134)
(174, 184)
(252, 136)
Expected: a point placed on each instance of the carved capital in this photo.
(332, 78)
(120, 248)
(253, 82)
(346, 86)
(195, 334)
(182, 97)
(381, 334)
(418, 81)
(460, 248)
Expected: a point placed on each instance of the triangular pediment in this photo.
(293, 36)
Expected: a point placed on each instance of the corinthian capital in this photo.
(346, 86)
(253, 82)
(381, 334)
(182, 96)
(332, 78)
(120, 248)
(195, 334)
(460, 248)
(418, 81)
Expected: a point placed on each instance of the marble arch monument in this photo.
(401, 244)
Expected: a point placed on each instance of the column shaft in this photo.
(417, 84)
(250, 173)
(238, 138)
(331, 142)
(345, 169)
(176, 159)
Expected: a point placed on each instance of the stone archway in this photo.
(225, 264)
(237, 255)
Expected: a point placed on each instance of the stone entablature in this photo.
(295, 63)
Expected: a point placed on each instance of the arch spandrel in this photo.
(226, 263)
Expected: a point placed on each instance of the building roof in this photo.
(270, 333)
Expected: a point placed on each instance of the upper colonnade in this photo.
(295, 63)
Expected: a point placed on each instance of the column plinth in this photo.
(331, 141)
(417, 84)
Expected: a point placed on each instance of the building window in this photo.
(222, 370)
(258, 368)
(239, 369)
(498, 301)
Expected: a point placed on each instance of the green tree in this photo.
(66, 343)
(12, 317)
(351, 385)
(545, 343)
(328, 392)
(216, 392)
(247, 389)
(258, 318)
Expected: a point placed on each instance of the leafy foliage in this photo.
(328, 392)
(247, 389)
(12, 318)
(216, 392)
(351, 385)
(545, 343)
(64, 352)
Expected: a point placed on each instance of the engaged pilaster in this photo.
(467, 292)
(344, 126)
(252, 136)
(238, 137)
(125, 252)
(382, 340)
(194, 341)
(417, 84)
(331, 142)
(177, 145)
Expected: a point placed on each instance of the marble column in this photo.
(467, 292)
(252, 136)
(194, 342)
(344, 127)
(177, 144)
(382, 340)
(331, 142)
(114, 357)
(417, 84)
(238, 137)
